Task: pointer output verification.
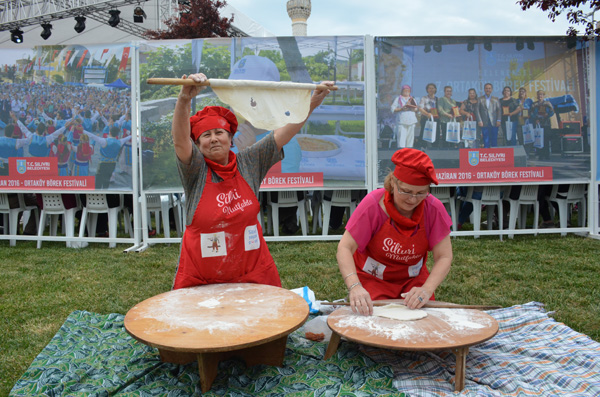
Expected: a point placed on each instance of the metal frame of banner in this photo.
(141, 241)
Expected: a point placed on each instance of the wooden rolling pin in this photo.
(173, 81)
(430, 304)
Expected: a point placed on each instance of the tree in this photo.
(197, 18)
(575, 15)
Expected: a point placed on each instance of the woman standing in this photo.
(223, 242)
(467, 110)
(446, 107)
(405, 109)
(510, 108)
(428, 107)
(383, 252)
(525, 106)
(541, 113)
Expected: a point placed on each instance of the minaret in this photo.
(299, 11)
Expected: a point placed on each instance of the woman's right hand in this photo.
(360, 301)
(188, 92)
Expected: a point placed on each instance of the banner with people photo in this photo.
(66, 118)
(485, 109)
(328, 152)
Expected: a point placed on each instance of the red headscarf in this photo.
(414, 167)
(212, 117)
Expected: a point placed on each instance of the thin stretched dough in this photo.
(398, 312)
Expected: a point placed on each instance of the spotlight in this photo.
(80, 25)
(530, 45)
(437, 47)
(520, 44)
(427, 48)
(487, 45)
(16, 35)
(138, 15)
(47, 32)
(470, 46)
(114, 18)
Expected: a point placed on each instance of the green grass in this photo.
(39, 288)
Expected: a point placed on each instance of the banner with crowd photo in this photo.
(66, 118)
(330, 149)
(485, 109)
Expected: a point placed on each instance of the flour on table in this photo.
(398, 312)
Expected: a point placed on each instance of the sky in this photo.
(406, 18)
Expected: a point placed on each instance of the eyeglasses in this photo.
(419, 196)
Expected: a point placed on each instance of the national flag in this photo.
(73, 57)
(67, 58)
(82, 58)
(124, 58)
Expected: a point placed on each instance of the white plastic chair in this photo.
(528, 196)
(96, 203)
(10, 216)
(490, 197)
(575, 195)
(449, 201)
(285, 198)
(161, 204)
(339, 198)
(53, 207)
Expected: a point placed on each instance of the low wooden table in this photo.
(211, 323)
(442, 329)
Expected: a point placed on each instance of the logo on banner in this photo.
(21, 166)
(473, 158)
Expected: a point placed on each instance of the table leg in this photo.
(208, 363)
(169, 356)
(270, 353)
(332, 346)
(461, 363)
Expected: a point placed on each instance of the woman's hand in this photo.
(417, 297)
(188, 92)
(360, 301)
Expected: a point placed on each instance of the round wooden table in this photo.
(454, 329)
(211, 323)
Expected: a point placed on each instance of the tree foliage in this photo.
(573, 10)
(197, 19)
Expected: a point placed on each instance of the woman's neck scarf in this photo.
(224, 171)
(404, 225)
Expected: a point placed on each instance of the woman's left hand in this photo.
(416, 298)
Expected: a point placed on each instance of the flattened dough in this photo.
(398, 312)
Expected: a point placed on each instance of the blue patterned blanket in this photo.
(532, 354)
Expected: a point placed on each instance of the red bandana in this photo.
(405, 225)
(224, 171)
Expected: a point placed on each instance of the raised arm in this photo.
(180, 129)
(284, 134)
(24, 129)
(101, 141)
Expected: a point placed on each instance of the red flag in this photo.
(67, 58)
(104, 52)
(82, 58)
(124, 59)
(54, 55)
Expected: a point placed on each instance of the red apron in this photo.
(393, 263)
(224, 243)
